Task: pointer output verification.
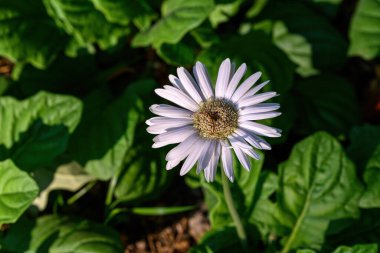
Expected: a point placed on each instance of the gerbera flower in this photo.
(209, 124)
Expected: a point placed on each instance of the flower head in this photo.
(209, 124)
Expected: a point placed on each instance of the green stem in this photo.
(80, 193)
(234, 214)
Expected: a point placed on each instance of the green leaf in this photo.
(223, 240)
(364, 140)
(259, 53)
(60, 234)
(324, 101)
(224, 11)
(371, 196)
(27, 34)
(178, 18)
(328, 7)
(36, 130)
(317, 184)
(141, 178)
(100, 146)
(17, 191)
(365, 30)
(243, 191)
(364, 248)
(120, 11)
(298, 49)
(86, 24)
(328, 47)
(180, 54)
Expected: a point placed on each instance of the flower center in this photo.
(216, 119)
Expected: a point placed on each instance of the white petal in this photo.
(256, 99)
(179, 98)
(188, 82)
(193, 156)
(210, 170)
(206, 155)
(242, 157)
(245, 86)
(171, 164)
(223, 78)
(259, 116)
(176, 83)
(183, 149)
(226, 158)
(251, 153)
(203, 80)
(254, 90)
(264, 107)
(261, 129)
(235, 139)
(246, 136)
(173, 135)
(235, 80)
(170, 111)
(171, 122)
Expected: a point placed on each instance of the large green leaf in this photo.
(36, 130)
(317, 184)
(328, 47)
(60, 234)
(371, 196)
(361, 248)
(323, 103)
(28, 34)
(17, 191)
(244, 192)
(365, 30)
(178, 18)
(224, 11)
(87, 25)
(223, 240)
(364, 140)
(298, 49)
(121, 11)
(101, 146)
(141, 178)
(257, 50)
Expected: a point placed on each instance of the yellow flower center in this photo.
(216, 119)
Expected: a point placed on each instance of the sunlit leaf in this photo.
(17, 191)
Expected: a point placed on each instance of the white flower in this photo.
(208, 125)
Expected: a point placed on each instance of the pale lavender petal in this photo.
(206, 155)
(210, 170)
(226, 158)
(183, 149)
(203, 80)
(246, 136)
(173, 135)
(235, 81)
(251, 153)
(188, 82)
(242, 157)
(256, 99)
(261, 129)
(259, 116)
(245, 86)
(254, 90)
(193, 157)
(170, 111)
(223, 78)
(173, 122)
(249, 135)
(179, 98)
(171, 164)
(237, 140)
(177, 83)
(264, 107)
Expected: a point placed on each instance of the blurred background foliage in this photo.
(77, 171)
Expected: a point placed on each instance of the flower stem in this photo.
(234, 214)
